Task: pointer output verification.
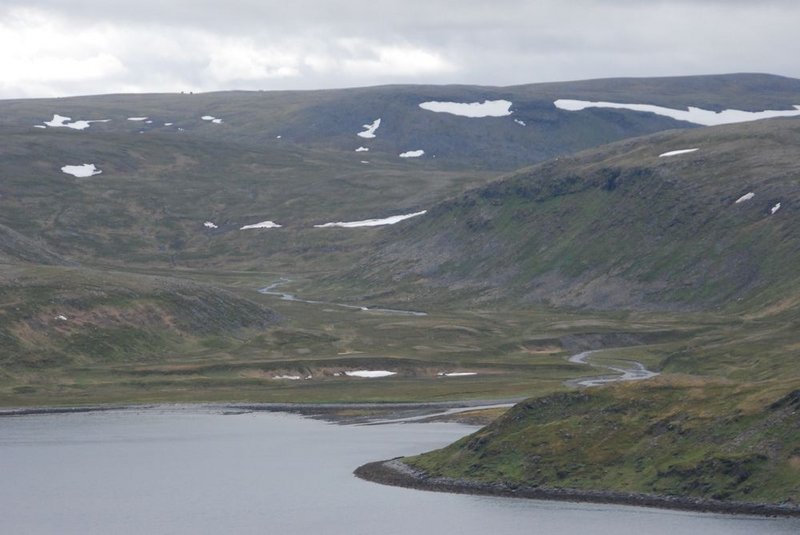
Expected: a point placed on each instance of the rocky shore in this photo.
(395, 472)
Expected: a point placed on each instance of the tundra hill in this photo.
(56, 317)
(533, 131)
(166, 199)
(290, 157)
(683, 439)
(624, 226)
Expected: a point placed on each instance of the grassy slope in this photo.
(682, 437)
(15, 247)
(55, 320)
(149, 204)
(618, 227)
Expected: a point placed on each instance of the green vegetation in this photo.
(677, 437)
(112, 289)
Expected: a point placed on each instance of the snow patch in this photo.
(263, 224)
(487, 108)
(39, 126)
(137, 118)
(369, 133)
(81, 171)
(371, 222)
(210, 224)
(775, 208)
(289, 377)
(457, 374)
(520, 122)
(412, 153)
(745, 197)
(60, 121)
(167, 124)
(211, 118)
(364, 161)
(61, 317)
(362, 149)
(676, 152)
(691, 114)
(57, 121)
(278, 137)
(370, 374)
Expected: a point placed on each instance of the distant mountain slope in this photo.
(628, 225)
(535, 129)
(176, 176)
(167, 199)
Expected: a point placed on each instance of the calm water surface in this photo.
(198, 471)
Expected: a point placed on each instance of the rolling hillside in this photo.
(57, 317)
(683, 440)
(157, 237)
(633, 225)
(531, 129)
(175, 177)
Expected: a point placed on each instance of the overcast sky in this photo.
(71, 47)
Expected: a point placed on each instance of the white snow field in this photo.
(676, 152)
(371, 222)
(412, 153)
(262, 224)
(369, 131)
(81, 171)
(60, 121)
(487, 108)
(370, 374)
(691, 114)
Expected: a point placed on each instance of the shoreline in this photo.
(305, 409)
(396, 473)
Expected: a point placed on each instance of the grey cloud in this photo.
(179, 44)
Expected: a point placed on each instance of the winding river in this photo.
(196, 470)
(634, 371)
(271, 290)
